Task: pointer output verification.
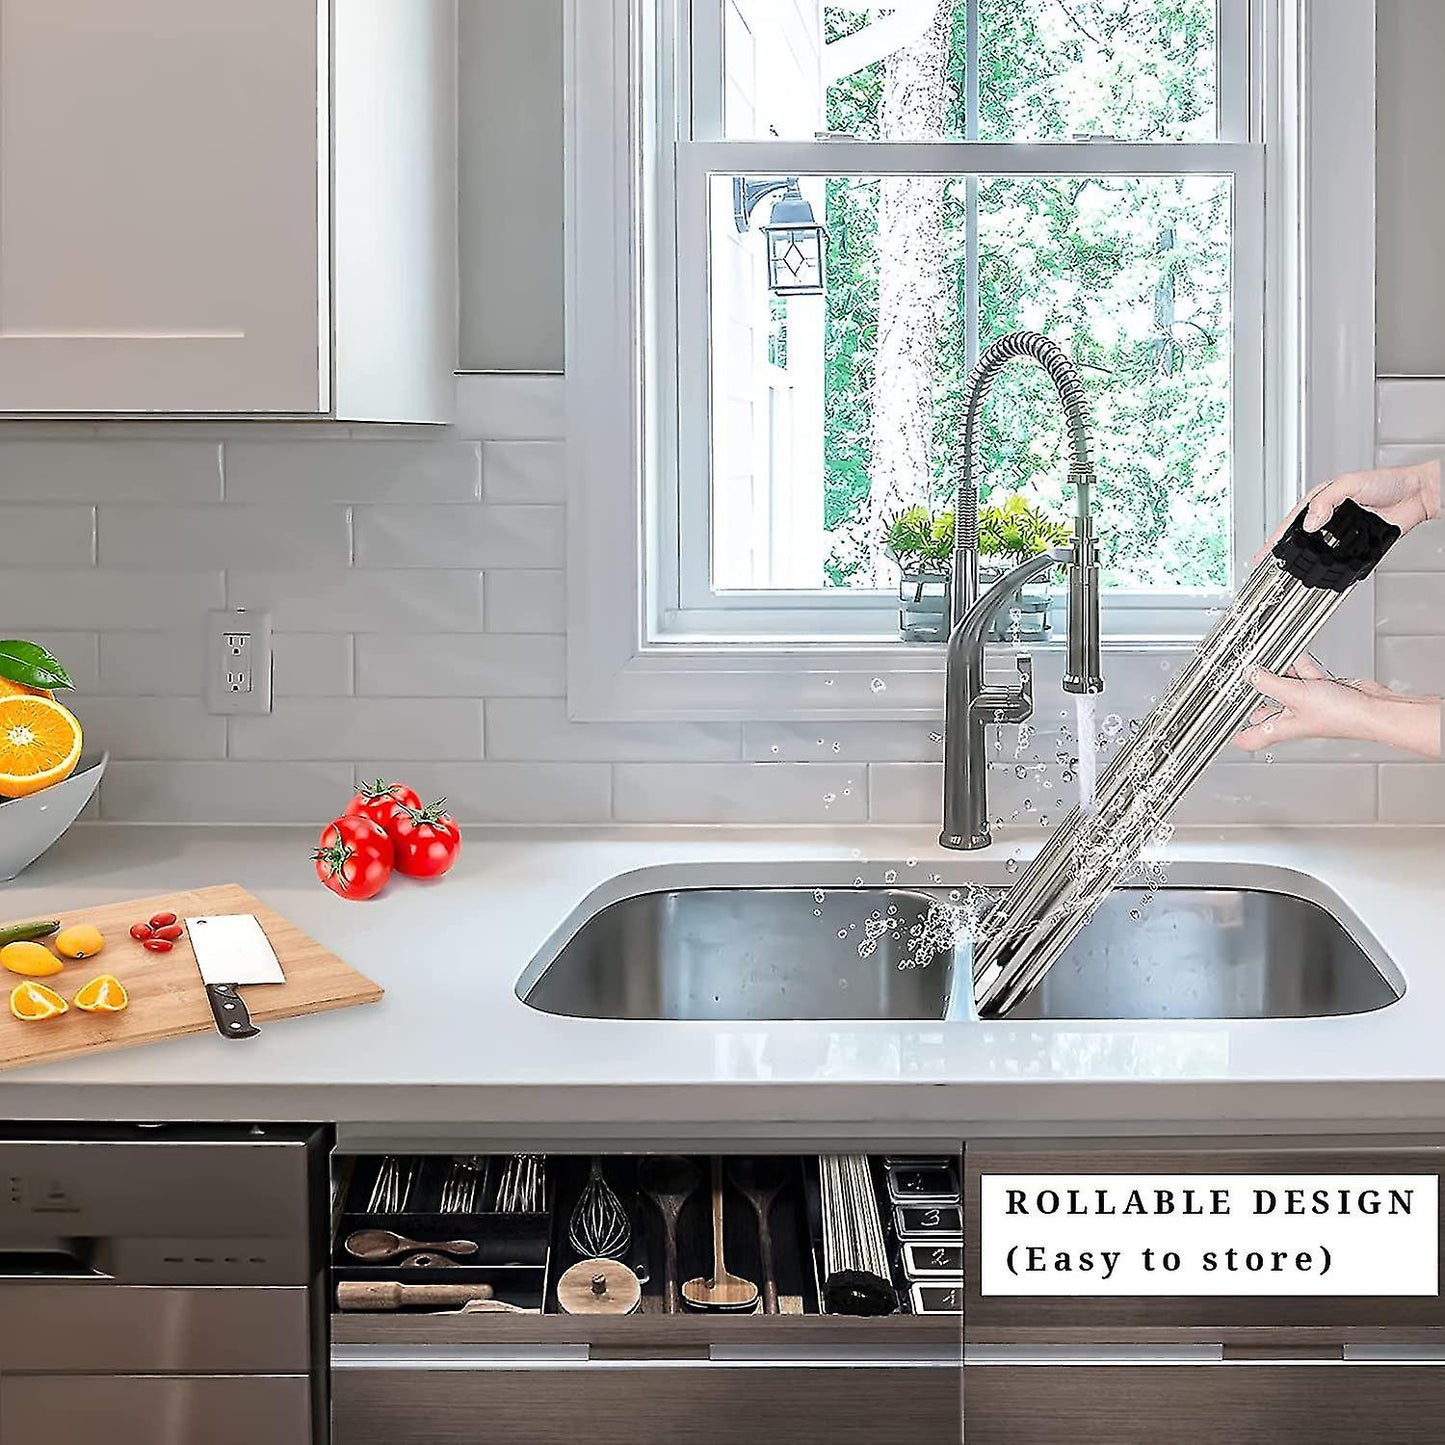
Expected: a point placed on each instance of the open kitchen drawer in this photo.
(412, 1375)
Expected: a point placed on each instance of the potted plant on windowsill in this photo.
(921, 543)
(1007, 535)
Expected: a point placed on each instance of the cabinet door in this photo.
(1304, 1404)
(161, 172)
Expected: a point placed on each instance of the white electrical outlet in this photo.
(238, 662)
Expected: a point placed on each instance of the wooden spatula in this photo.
(723, 1291)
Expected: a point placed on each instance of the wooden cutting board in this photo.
(167, 997)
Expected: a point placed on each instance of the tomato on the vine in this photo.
(427, 841)
(354, 858)
(381, 802)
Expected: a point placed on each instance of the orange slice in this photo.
(36, 1001)
(103, 995)
(20, 689)
(39, 744)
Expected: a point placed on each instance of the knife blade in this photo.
(232, 949)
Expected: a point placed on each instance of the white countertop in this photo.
(452, 1047)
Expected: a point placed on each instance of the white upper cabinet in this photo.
(185, 226)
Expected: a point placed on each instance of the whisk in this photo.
(392, 1190)
(523, 1186)
(464, 1177)
(599, 1228)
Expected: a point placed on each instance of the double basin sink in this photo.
(857, 953)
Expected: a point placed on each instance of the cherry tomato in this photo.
(354, 858)
(381, 802)
(162, 920)
(170, 931)
(427, 840)
(158, 945)
(141, 931)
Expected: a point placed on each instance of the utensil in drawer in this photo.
(523, 1188)
(599, 1228)
(856, 1277)
(721, 1290)
(376, 1246)
(465, 1177)
(928, 1222)
(923, 1184)
(599, 1287)
(760, 1180)
(427, 1260)
(390, 1294)
(394, 1181)
(232, 949)
(669, 1181)
(934, 1261)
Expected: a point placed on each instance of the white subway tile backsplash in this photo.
(154, 664)
(109, 471)
(741, 792)
(1409, 604)
(523, 471)
(303, 472)
(1412, 793)
(340, 728)
(1413, 664)
(370, 600)
(795, 742)
(152, 728)
(311, 664)
(538, 730)
(490, 665)
(526, 602)
(507, 792)
(524, 406)
(97, 598)
(1410, 412)
(1280, 793)
(478, 536)
(39, 536)
(220, 536)
(225, 792)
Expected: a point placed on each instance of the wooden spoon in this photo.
(760, 1181)
(669, 1181)
(379, 1245)
(723, 1291)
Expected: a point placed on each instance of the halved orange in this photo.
(36, 1001)
(103, 995)
(39, 744)
(20, 689)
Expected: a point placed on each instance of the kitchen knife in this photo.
(232, 949)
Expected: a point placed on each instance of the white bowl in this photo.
(28, 826)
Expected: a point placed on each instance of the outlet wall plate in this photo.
(238, 662)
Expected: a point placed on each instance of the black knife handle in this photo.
(233, 1019)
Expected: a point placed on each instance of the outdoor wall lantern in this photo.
(794, 237)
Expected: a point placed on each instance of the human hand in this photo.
(1307, 702)
(1403, 496)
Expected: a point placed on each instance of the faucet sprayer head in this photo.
(1084, 675)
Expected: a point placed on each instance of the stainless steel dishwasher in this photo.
(162, 1285)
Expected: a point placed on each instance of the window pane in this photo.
(832, 414)
(1048, 69)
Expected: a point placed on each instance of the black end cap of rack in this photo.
(1344, 551)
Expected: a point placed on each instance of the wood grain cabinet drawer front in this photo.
(1216, 1317)
(659, 1402)
(1299, 1404)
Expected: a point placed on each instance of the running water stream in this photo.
(1086, 713)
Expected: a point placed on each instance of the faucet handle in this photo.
(1009, 704)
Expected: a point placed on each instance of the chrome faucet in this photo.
(970, 704)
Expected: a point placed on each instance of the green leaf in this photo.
(32, 666)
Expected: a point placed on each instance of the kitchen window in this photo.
(830, 210)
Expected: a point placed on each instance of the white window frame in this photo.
(1308, 389)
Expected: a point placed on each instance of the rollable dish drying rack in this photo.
(1285, 601)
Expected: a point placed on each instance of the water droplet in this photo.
(1043, 820)
(857, 882)
(847, 792)
(1269, 757)
(1134, 913)
(913, 862)
(775, 749)
(954, 896)
(820, 742)
(1028, 805)
(837, 747)
(842, 933)
(827, 682)
(817, 913)
(935, 737)
(891, 876)
(818, 895)
(829, 799)
(878, 685)
(1021, 771)
(1012, 865)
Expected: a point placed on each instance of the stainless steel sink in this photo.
(794, 953)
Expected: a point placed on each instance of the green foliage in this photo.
(1130, 275)
(921, 541)
(1016, 531)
